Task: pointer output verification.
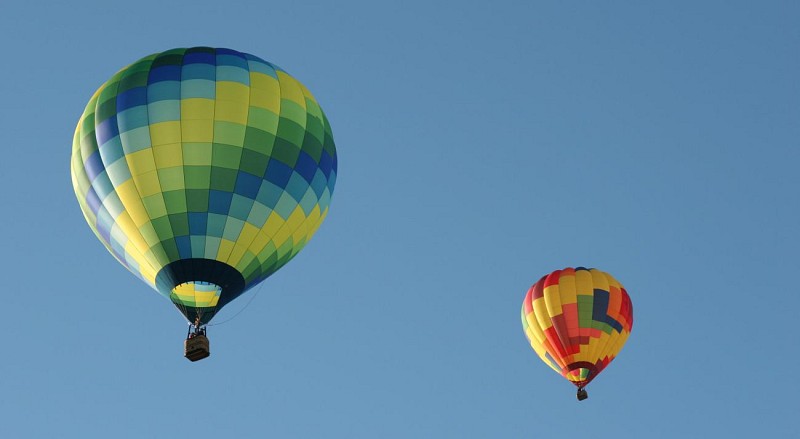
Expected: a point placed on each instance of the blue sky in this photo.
(480, 147)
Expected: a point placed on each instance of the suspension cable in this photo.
(253, 296)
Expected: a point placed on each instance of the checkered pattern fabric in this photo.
(203, 153)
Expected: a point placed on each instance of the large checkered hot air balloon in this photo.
(577, 321)
(203, 171)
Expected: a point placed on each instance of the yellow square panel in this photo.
(247, 235)
(567, 290)
(131, 199)
(300, 234)
(540, 309)
(296, 218)
(552, 298)
(233, 91)
(291, 90)
(225, 248)
(583, 283)
(147, 184)
(599, 280)
(232, 111)
(168, 155)
(197, 108)
(280, 237)
(125, 224)
(259, 242)
(265, 82)
(265, 99)
(273, 224)
(198, 130)
(165, 132)
(141, 162)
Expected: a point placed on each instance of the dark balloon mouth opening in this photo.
(200, 287)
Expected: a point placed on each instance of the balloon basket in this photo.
(196, 347)
(582, 394)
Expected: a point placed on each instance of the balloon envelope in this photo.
(577, 321)
(203, 171)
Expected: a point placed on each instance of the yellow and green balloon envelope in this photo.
(577, 321)
(203, 171)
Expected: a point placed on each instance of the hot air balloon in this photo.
(203, 171)
(577, 321)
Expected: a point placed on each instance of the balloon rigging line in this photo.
(255, 293)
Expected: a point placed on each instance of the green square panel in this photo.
(252, 270)
(171, 179)
(168, 59)
(104, 111)
(290, 110)
(254, 162)
(132, 80)
(108, 92)
(291, 131)
(154, 205)
(328, 144)
(267, 254)
(258, 140)
(223, 179)
(285, 151)
(226, 156)
(197, 177)
(87, 128)
(197, 200)
(228, 132)
(170, 249)
(162, 227)
(313, 147)
(197, 153)
(180, 224)
(285, 251)
(175, 201)
(261, 117)
(315, 128)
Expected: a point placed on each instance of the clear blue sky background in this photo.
(481, 145)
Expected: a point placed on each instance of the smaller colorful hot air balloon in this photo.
(577, 320)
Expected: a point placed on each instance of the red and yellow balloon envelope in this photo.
(577, 321)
